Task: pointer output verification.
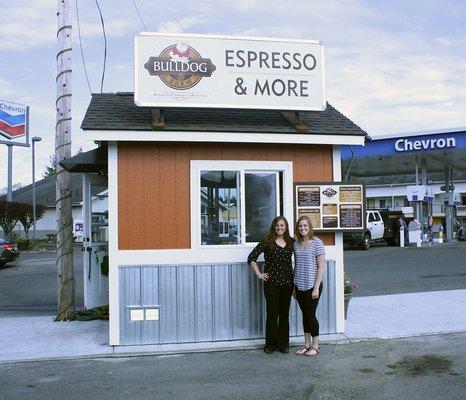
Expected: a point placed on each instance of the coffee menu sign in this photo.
(179, 70)
(331, 207)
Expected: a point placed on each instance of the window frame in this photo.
(286, 167)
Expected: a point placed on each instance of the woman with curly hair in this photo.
(277, 276)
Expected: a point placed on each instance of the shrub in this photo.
(24, 244)
(349, 286)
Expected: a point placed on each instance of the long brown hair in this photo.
(297, 235)
(272, 236)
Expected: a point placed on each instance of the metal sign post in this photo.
(34, 140)
(9, 196)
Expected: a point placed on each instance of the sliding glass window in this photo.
(223, 221)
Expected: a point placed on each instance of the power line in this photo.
(81, 48)
(105, 46)
(140, 17)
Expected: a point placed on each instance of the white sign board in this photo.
(407, 211)
(450, 199)
(419, 193)
(429, 195)
(178, 70)
(78, 231)
(14, 123)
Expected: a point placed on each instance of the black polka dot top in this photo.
(277, 262)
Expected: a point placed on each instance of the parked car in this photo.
(8, 251)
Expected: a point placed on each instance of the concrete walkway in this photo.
(374, 317)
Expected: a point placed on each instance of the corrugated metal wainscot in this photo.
(204, 303)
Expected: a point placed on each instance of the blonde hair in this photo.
(310, 235)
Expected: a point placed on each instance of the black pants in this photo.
(277, 326)
(308, 306)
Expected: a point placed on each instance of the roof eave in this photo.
(225, 137)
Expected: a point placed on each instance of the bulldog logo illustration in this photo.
(180, 66)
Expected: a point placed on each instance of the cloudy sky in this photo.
(391, 66)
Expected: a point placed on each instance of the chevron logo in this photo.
(12, 120)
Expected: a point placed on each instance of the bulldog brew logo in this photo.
(329, 192)
(180, 66)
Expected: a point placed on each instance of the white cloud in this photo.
(6, 89)
(179, 25)
(26, 27)
(112, 28)
(33, 26)
(443, 41)
(246, 5)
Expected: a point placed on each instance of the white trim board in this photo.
(113, 277)
(223, 137)
(338, 252)
(205, 256)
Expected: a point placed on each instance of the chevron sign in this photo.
(12, 119)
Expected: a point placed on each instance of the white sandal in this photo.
(309, 354)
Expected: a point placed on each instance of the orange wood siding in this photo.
(154, 186)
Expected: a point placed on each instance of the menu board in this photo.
(350, 194)
(330, 209)
(330, 222)
(313, 214)
(331, 206)
(309, 197)
(350, 215)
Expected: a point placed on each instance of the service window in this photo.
(236, 206)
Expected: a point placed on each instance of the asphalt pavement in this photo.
(28, 285)
(419, 368)
(421, 355)
(385, 270)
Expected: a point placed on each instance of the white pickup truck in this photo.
(380, 225)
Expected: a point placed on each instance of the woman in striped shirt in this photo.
(309, 271)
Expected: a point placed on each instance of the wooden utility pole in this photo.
(65, 279)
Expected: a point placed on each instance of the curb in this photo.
(116, 354)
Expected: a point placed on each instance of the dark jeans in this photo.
(308, 306)
(277, 326)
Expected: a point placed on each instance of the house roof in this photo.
(117, 111)
(45, 191)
